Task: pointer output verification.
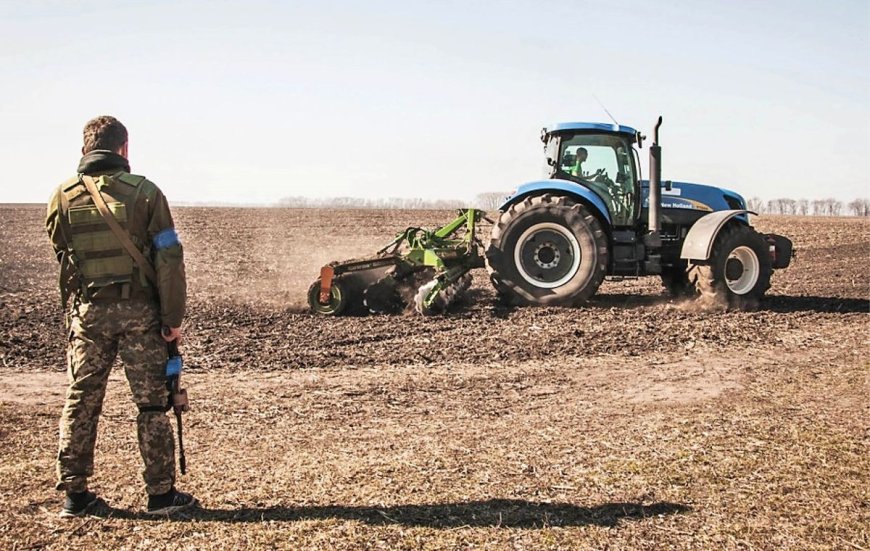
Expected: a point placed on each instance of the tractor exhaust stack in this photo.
(655, 182)
(653, 239)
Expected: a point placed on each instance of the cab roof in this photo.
(593, 127)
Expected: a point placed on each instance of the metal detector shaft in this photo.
(177, 396)
(182, 460)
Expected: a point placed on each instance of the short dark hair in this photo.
(104, 132)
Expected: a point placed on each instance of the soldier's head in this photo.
(107, 133)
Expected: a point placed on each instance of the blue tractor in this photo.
(556, 239)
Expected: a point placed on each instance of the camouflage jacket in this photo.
(93, 266)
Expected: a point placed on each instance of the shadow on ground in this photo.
(491, 513)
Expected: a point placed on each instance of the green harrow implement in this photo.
(429, 269)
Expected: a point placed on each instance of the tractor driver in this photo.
(577, 170)
(597, 180)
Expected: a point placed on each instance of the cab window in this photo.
(604, 165)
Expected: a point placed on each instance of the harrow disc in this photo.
(420, 300)
(444, 298)
(382, 297)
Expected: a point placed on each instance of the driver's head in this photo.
(581, 154)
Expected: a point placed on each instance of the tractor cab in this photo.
(601, 158)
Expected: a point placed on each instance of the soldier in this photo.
(118, 307)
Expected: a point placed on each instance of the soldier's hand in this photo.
(170, 334)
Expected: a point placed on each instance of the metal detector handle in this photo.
(171, 346)
(174, 365)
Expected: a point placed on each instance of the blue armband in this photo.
(165, 239)
(173, 366)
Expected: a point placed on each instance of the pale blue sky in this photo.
(253, 101)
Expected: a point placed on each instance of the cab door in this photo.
(604, 164)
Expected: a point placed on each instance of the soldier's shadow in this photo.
(515, 513)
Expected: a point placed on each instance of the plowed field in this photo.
(634, 422)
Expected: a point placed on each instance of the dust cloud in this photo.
(277, 254)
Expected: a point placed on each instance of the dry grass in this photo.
(576, 454)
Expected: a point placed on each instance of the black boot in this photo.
(167, 503)
(78, 504)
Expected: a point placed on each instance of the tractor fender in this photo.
(702, 234)
(559, 186)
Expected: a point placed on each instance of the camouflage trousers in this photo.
(99, 332)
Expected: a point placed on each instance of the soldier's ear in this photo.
(122, 151)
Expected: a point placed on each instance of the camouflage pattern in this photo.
(116, 316)
(98, 333)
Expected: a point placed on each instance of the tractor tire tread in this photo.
(710, 285)
(509, 292)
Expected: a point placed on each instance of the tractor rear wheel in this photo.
(737, 274)
(547, 250)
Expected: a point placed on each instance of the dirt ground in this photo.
(635, 422)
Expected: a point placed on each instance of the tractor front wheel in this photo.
(547, 250)
(737, 274)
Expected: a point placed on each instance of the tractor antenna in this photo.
(605, 110)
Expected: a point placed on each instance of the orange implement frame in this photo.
(326, 275)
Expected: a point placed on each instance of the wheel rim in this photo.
(741, 270)
(547, 255)
(335, 301)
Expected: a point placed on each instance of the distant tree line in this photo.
(490, 201)
(805, 207)
(376, 203)
(484, 201)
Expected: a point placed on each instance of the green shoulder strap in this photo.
(129, 179)
(119, 232)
